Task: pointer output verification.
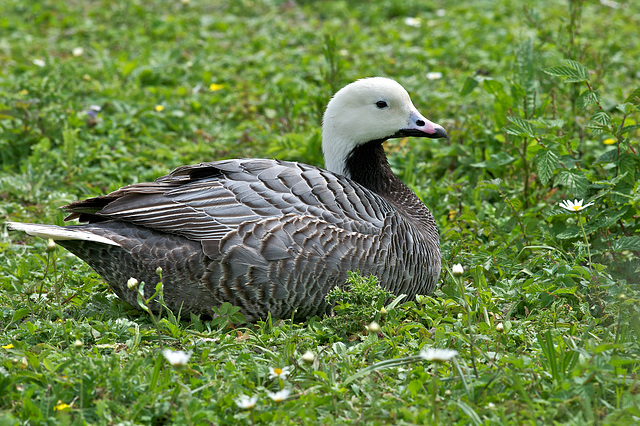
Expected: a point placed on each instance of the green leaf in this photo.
(470, 83)
(547, 123)
(627, 129)
(520, 127)
(634, 97)
(490, 184)
(601, 118)
(473, 416)
(546, 163)
(574, 180)
(627, 164)
(496, 161)
(587, 98)
(526, 72)
(561, 71)
(583, 71)
(605, 219)
(626, 243)
(19, 314)
(609, 156)
(494, 87)
(415, 386)
(570, 232)
(625, 108)
(573, 71)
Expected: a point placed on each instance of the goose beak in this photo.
(421, 127)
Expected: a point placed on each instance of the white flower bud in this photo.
(457, 269)
(374, 327)
(132, 283)
(308, 357)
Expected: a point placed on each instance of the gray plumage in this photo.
(270, 236)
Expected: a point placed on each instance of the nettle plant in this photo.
(602, 168)
(566, 145)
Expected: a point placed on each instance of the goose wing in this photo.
(207, 201)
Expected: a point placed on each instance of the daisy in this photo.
(280, 395)
(279, 373)
(246, 402)
(438, 355)
(574, 206)
(413, 22)
(176, 358)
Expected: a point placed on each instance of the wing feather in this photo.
(210, 200)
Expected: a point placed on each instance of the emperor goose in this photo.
(270, 236)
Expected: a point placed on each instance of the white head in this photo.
(367, 110)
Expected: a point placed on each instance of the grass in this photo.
(541, 103)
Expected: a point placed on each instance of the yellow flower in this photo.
(61, 406)
(609, 141)
(215, 87)
(159, 108)
(24, 92)
(9, 346)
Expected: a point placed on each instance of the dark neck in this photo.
(367, 164)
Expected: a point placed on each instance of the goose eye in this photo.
(381, 104)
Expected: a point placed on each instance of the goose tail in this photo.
(59, 232)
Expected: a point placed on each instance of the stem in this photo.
(586, 241)
(436, 414)
(467, 307)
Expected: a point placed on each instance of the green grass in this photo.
(545, 318)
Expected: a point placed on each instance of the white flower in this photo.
(245, 402)
(39, 62)
(77, 51)
(176, 358)
(413, 22)
(280, 395)
(500, 327)
(308, 357)
(374, 327)
(132, 283)
(441, 12)
(51, 245)
(457, 269)
(574, 206)
(610, 3)
(279, 373)
(438, 355)
(435, 75)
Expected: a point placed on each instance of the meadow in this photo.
(542, 105)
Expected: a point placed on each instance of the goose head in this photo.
(370, 110)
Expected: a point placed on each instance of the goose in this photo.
(270, 236)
